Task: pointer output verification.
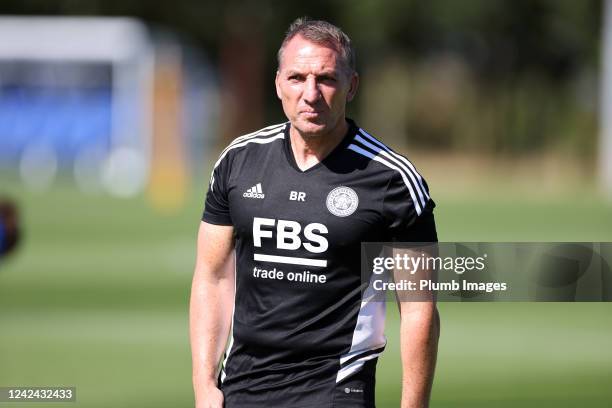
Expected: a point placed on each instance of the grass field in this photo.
(97, 297)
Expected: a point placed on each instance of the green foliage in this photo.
(528, 68)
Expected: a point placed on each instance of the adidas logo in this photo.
(254, 192)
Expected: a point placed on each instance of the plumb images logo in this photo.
(487, 271)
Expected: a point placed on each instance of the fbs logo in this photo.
(254, 192)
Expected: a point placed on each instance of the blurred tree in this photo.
(526, 63)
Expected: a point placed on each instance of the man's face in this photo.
(313, 86)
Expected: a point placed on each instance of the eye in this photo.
(295, 78)
(327, 79)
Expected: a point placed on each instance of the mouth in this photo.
(311, 114)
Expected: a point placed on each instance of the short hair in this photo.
(323, 33)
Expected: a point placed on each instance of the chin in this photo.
(308, 128)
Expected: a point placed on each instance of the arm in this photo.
(210, 311)
(419, 332)
(419, 320)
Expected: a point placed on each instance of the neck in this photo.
(308, 150)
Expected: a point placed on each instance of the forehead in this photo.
(300, 53)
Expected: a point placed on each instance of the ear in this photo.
(353, 87)
(277, 84)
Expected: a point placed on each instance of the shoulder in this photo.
(367, 145)
(402, 174)
(264, 136)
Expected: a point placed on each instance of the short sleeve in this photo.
(408, 209)
(216, 207)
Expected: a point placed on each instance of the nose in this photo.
(311, 91)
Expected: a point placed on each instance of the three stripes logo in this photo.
(254, 192)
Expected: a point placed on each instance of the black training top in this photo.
(301, 335)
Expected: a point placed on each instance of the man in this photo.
(293, 202)
(9, 227)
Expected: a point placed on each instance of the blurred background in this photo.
(112, 113)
